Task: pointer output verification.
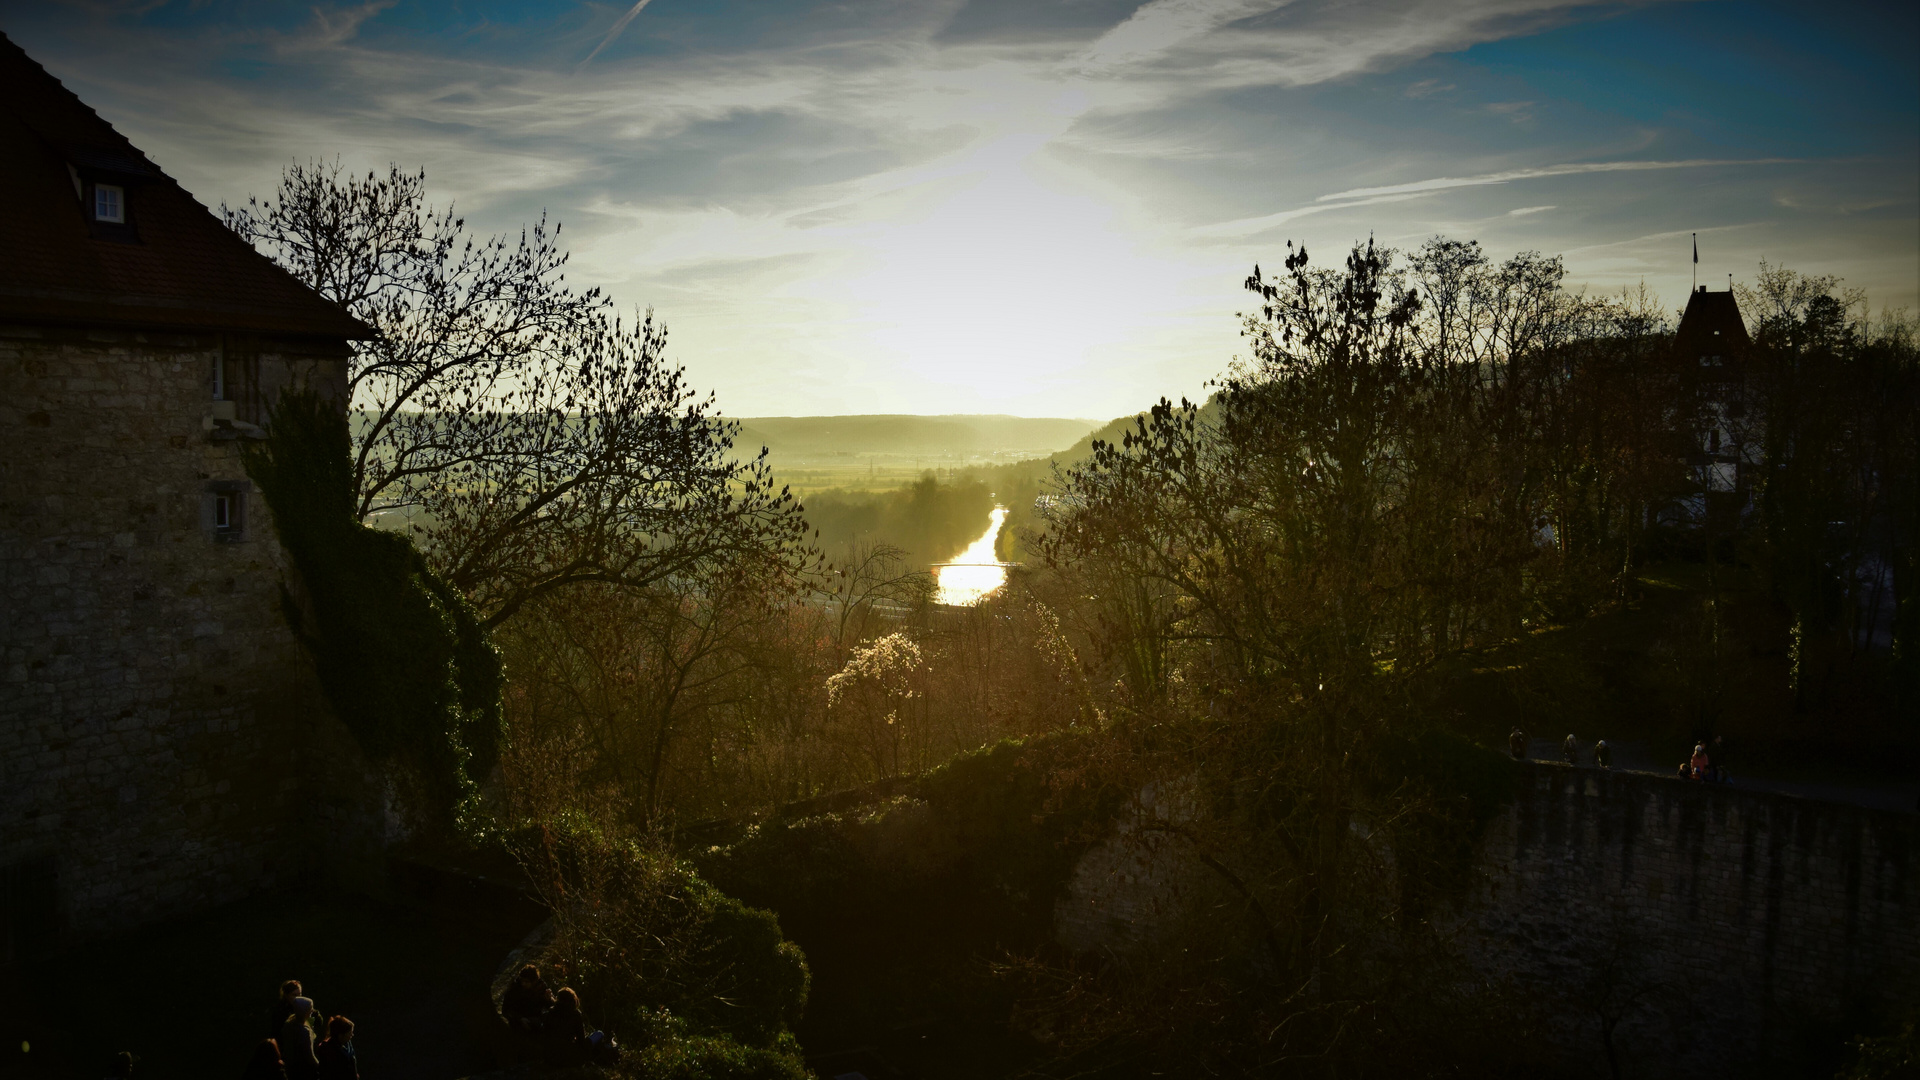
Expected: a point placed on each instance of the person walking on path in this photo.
(1571, 748)
(1603, 754)
(337, 1061)
(296, 1042)
(265, 1063)
(1517, 744)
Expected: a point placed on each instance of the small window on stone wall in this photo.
(29, 910)
(226, 510)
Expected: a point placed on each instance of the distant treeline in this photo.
(932, 521)
(933, 436)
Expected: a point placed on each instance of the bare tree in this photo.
(533, 439)
(1287, 575)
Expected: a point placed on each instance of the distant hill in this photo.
(957, 437)
(1114, 430)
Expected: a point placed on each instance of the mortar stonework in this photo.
(160, 726)
(1721, 931)
(1719, 926)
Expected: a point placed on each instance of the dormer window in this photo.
(110, 203)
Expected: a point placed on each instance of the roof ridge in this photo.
(81, 102)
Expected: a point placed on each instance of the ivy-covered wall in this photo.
(400, 653)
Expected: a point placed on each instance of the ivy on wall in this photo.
(401, 655)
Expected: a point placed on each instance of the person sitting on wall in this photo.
(1571, 748)
(283, 1008)
(296, 1042)
(1603, 754)
(1699, 765)
(526, 1001)
(564, 1029)
(265, 1063)
(1517, 745)
(337, 1061)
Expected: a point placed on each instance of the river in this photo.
(975, 573)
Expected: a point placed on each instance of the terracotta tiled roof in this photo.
(172, 266)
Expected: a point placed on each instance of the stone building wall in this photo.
(1719, 931)
(159, 724)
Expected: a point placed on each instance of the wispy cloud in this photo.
(1392, 193)
(1444, 183)
(1244, 228)
(807, 190)
(618, 25)
(1162, 25)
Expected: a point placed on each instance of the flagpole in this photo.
(1696, 262)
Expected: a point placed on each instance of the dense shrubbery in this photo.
(716, 702)
(400, 653)
(692, 978)
(667, 1048)
(982, 844)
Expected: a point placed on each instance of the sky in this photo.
(1041, 207)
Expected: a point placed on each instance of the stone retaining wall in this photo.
(1716, 926)
(1717, 931)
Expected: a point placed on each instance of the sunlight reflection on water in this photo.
(974, 573)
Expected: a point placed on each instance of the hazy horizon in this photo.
(1041, 209)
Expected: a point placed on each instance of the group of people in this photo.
(301, 1046)
(549, 1023)
(1709, 766)
(1569, 749)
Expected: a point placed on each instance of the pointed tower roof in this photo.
(1711, 326)
(170, 265)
